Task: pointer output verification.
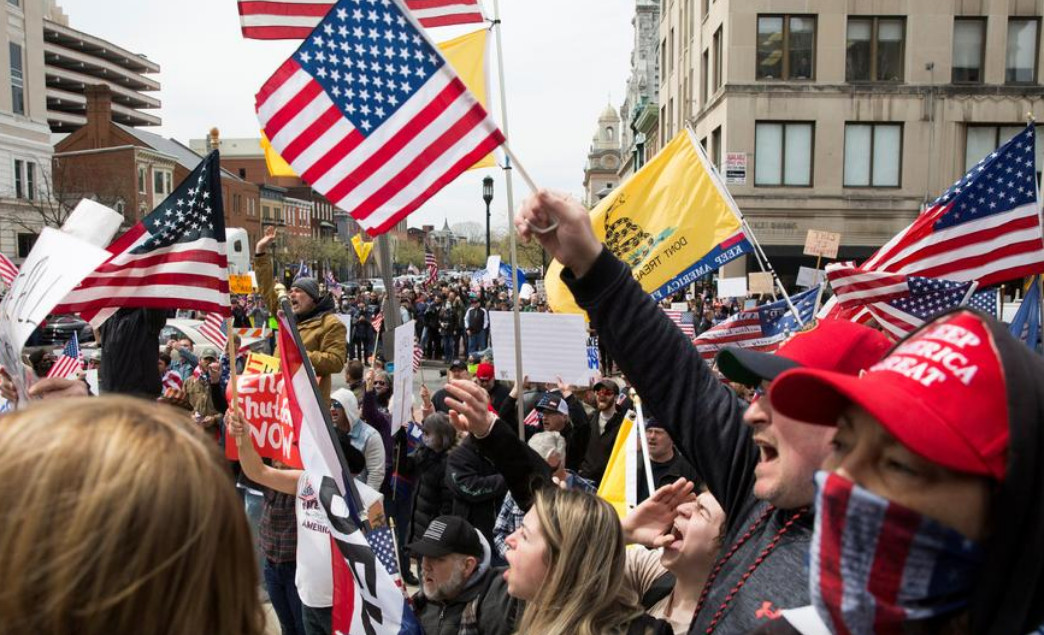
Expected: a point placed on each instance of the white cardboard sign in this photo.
(553, 345)
(732, 287)
(403, 381)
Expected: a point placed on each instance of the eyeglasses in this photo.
(379, 382)
(606, 392)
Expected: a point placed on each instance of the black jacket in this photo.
(476, 485)
(600, 445)
(431, 498)
(496, 611)
(130, 352)
(705, 419)
(498, 395)
(664, 473)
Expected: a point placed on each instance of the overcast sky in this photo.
(564, 59)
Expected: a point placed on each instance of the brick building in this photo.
(132, 171)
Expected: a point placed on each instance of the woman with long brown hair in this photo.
(120, 517)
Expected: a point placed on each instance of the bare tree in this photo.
(473, 232)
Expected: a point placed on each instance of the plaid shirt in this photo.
(278, 528)
(511, 515)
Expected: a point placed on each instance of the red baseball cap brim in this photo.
(820, 397)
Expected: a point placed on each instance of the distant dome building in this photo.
(603, 159)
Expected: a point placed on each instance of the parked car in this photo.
(181, 328)
(59, 329)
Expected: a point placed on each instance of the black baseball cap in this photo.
(551, 402)
(446, 535)
(607, 383)
(458, 364)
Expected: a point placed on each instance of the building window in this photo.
(705, 76)
(717, 43)
(716, 147)
(969, 49)
(873, 154)
(161, 186)
(670, 120)
(663, 60)
(19, 178)
(982, 140)
(17, 80)
(786, 47)
(142, 179)
(25, 244)
(670, 53)
(1021, 65)
(15, 3)
(783, 154)
(30, 180)
(242, 173)
(874, 50)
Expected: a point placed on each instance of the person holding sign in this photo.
(323, 334)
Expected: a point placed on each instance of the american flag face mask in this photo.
(877, 565)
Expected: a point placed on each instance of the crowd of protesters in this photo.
(843, 484)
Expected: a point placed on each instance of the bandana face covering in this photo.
(877, 564)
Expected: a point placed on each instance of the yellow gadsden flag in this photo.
(362, 248)
(466, 54)
(619, 485)
(672, 222)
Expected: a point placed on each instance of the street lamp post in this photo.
(487, 195)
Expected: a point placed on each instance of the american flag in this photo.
(418, 354)
(171, 380)
(294, 20)
(302, 271)
(370, 114)
(683, 320)
(762, 328)
(383, 545)
(986, 227)
(175, 258)
(378, 322)
(70, 361)
(331, 281)
(926, 298)
(432, 265)
(8, 270)
(214, 329)
(532, 419)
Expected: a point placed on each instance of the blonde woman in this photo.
(120, 517)
(567, 559)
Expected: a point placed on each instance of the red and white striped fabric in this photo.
(853, 286)
(295, 19)
(378, 322)
(676, 316)
(251, 332)
(8, 270)
(418, 355)
(171, 380)
(378, 126)
(213, 328)
(532, 419)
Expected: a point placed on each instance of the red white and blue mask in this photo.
(877, 565)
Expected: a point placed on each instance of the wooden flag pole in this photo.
(233, 379)
(509, 159)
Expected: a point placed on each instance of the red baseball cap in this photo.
(838, 345)
(485, 371)
(941, 393)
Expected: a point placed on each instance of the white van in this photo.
(237, 242)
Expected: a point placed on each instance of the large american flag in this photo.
(70, 361)
(8, 270)
(683, 322)
(295, 19)
(432, 265)
(762, 328)
(174, 258)
(986, 227)
(370, 114)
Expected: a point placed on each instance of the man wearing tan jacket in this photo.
(322, 333)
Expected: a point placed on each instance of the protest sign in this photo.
(553, 345)
(264, 405)
(242, 284)
(822, 244)
(57, 263)
(759, 282)
(347, 321)
(259, 363)
(732, 287)
(403, 381)
(809, 277)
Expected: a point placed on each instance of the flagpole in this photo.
(230, 345)
(645, 443)
(508, 160)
